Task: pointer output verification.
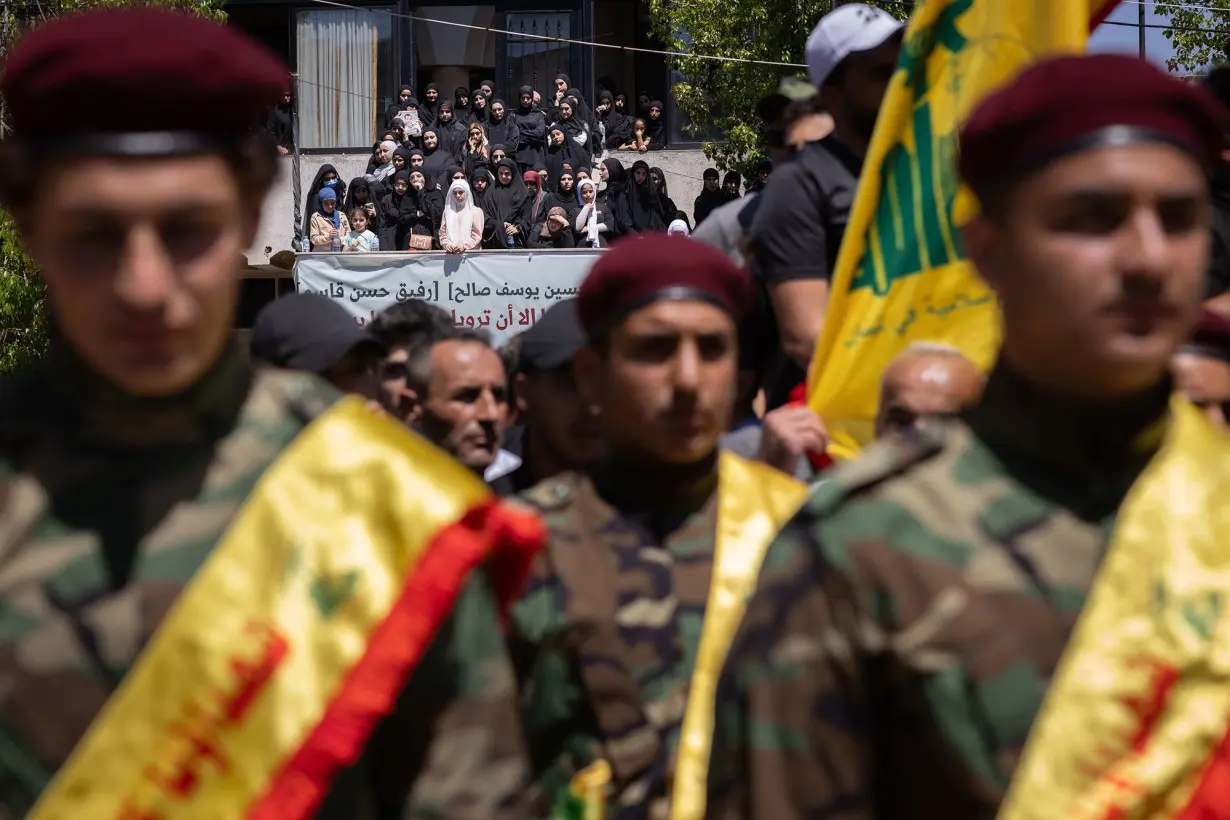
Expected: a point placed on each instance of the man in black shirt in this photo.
(851, 56)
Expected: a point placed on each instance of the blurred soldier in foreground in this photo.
(909, 619)
(215, 580)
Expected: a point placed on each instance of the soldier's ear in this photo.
(980, 236)
(586, 367)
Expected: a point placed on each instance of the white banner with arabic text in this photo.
(502, 292)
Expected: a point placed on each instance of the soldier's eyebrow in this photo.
(181, 209)
(1114, 193)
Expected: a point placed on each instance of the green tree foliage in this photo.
(1199, 32)
(720, 96)
(23, 298)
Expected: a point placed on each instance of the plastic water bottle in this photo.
(336, 245)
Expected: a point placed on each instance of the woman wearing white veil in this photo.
(462, 227)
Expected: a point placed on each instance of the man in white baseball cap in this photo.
(849, 29)
(851, 57)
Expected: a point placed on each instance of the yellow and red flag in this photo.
(1136, 723)
(298, 633)
(902, 275)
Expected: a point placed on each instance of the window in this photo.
(345, 62)
(533, 61)
(681, 129)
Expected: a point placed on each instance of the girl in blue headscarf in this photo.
(328, 224)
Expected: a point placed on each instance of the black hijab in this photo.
(461, 112)
(668, 205)
(581, 109)
(567, 153)
(397, 106)
(656, 129)
(311, 203)
(615, 196)
(646, 207)
(358, 194)
(428, 109)
(477, 114)
(435, 159)
(508, 201)
(500, 131)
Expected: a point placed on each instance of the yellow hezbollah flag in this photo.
(297, 634)
(902, 275)
(1136, 723)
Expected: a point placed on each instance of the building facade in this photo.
(351, 56)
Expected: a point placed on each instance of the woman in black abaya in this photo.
(647, 215)
(613, 198)
(507, 201)
(562, 151)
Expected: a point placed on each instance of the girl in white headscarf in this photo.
(462, 227)
(591, 220)
(679, 227)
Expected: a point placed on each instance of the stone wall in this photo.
(683, 170)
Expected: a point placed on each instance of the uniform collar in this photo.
(1082, 441)
(100, 413)
(635, 486)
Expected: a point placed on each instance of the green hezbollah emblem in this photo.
(912, 230)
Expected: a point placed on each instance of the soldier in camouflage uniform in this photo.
(605, 637)
(126, 453)
(909, 618)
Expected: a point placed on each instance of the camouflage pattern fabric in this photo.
(98, 536)
(605, 639)
(909, 618)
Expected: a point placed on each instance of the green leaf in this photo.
(725, 93)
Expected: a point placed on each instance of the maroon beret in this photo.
(1070, 103)
(1211, 337)
(656, 266)
(138, 80)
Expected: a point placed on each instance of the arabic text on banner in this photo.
(503, 293)
(902, 274)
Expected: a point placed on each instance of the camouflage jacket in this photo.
(82, 504)
(605, 638)
(908, 619)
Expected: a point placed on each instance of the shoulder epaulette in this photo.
(551, 494)
(880, 461)
(305, 395)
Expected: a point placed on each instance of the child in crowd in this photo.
(640, 139)
(360, 239)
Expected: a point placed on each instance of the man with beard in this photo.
(531, 132)
(618, 614)
(910, 618)
(445, 382)
(851, 56)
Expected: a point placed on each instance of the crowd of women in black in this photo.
(471, 172)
